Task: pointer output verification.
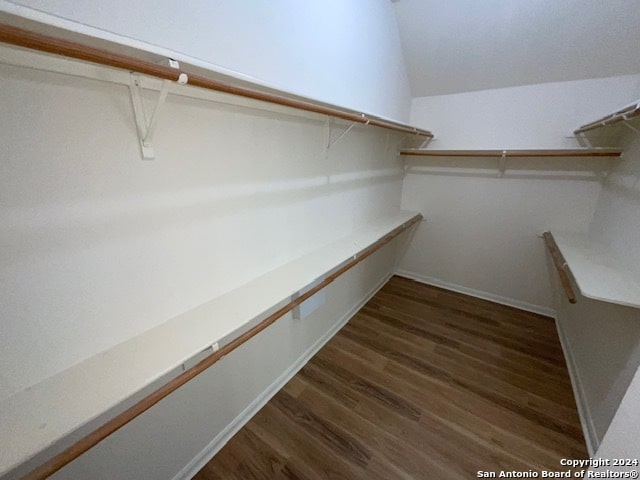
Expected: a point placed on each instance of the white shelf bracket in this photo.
(146, 126)
(626, 123)
(331, 142)
(426, 142)
(502, 166)
(583, 140)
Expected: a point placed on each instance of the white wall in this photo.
(604, 339)
(481, 231)
(621, 441)
(342, 52)
(602, 343)
(180, 432)
(98, 245)
(616, 222)
(533, 116)
(481, 234)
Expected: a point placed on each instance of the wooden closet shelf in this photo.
(599, 274)
(626, 113)
(63, 416)
(58, 46)
(580, 152)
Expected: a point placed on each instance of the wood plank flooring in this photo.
(422, 383)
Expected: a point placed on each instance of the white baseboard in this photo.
(589, 430)
(510, 302)
(225, 435)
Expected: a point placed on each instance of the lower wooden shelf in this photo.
(597, 272)
(48, 420)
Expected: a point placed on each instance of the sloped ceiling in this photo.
(455, 46)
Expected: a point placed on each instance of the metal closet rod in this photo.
(35, 41)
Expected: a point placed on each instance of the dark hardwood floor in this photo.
(422, 383)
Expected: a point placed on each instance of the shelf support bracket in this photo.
(146, 126)
(426, 142)
(583, 140)
(330, 142)
(626, 123)
(502, 166)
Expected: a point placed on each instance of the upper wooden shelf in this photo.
(626, 113)
(580, 152)
(82, 51)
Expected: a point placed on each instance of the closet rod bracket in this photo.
(146, 126)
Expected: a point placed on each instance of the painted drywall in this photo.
(98, 245)
(468, 45)
(604, 339)
(481, 231)
(480, 236)
(177, 436)
(602, 343)
(621, 441)
(616, 222)
(347, 53)
(533, 116)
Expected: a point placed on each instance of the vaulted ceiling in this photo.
(462, 45)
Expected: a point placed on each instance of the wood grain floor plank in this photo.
(501, 319)
(551, 419)
(477, 379)
(422, 383)
(333, 436)
(271, 437)
(450, 354)
(469, 324)
(508, 316)
(515, 359)
(382, 395)
(405, 457)
(532, 442)
(475, 348)
(250, 457)
(491, 413)
(473, 445)
(446, 450)
(303, 449)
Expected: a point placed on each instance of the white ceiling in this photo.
(455, 46)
